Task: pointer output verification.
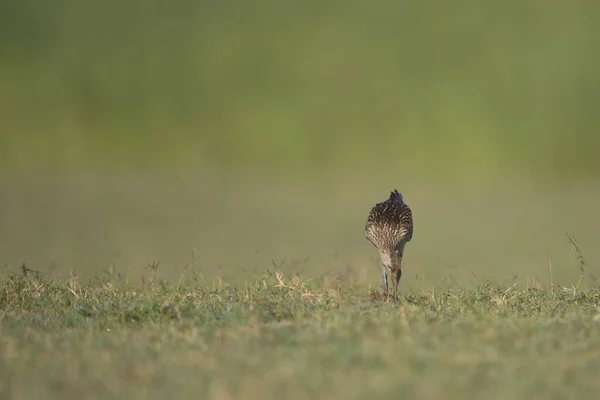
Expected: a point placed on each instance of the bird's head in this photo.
(392, 259)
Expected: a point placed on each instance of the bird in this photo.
(389, 227)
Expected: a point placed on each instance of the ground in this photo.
(283, 336)
(270, 292)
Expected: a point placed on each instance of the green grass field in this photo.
(280, 336)
(271, 291)
(238, 146)
(494, 301)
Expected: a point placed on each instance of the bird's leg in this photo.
(384, 281)
(396, 277)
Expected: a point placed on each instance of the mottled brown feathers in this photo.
(389, 227)
(390, 224)
(395, 195)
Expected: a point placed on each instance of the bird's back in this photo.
(389, 223)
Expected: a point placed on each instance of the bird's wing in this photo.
(392, 216)
(368, 233)
(370, 223)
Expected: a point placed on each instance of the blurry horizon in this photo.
(253, 132)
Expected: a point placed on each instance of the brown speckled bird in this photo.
(389, 227)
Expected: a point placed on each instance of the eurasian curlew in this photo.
(389, 227)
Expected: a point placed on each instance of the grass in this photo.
(308, 327)
(456, 106)
(280, 336)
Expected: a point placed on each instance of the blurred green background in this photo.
(252, 132)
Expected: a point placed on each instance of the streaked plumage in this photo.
(389, 227)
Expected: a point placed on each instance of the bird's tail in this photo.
(395, 195)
